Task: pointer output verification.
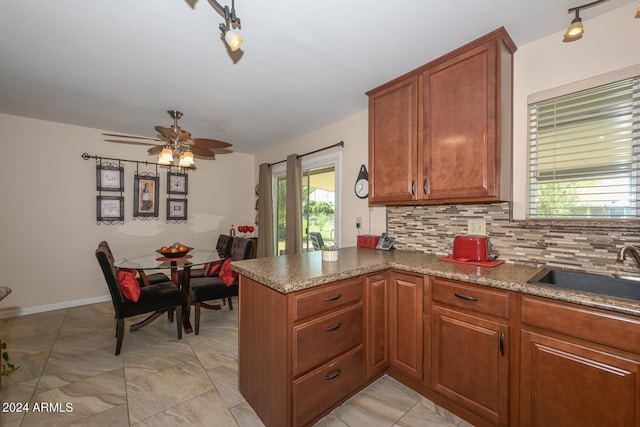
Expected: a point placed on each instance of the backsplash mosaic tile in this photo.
(588, 248)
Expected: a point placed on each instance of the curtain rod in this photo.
(339, 144)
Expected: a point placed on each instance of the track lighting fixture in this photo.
(576, 29)
(233, 40)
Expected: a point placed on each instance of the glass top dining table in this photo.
(158, 262)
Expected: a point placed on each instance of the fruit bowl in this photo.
(176, 254)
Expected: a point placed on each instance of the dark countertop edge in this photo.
(618, 305)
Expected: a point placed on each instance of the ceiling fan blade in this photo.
(119, 141)
(173, 134)
(130, 136)
(203, 152)
(210, 143)
(155, 150)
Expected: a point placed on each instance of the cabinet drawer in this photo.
(471, 297)
(322, 388)
(597, 326)
(313, 302)
(321, 339)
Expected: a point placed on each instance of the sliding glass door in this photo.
(319, 205)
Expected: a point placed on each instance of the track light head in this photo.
(575, 30)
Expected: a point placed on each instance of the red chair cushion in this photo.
(129, 284)
(227, 275)
(213, 268)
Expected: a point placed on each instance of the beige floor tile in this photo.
(67, 356)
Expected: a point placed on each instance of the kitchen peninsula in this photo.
(313, 333)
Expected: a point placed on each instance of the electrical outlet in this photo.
(477, 227)
(358, 221)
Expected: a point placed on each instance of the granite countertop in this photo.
(291, 273)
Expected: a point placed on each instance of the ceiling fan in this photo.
(176, 145)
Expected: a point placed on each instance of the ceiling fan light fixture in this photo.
(166, 156)
(186, 159)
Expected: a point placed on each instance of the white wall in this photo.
(354, 132)
(48, 212)
(610, 42)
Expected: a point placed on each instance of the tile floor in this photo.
(67, 358)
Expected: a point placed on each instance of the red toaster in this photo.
(473, 248)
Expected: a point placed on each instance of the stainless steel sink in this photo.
(591, 283)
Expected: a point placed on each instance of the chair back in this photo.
(224, 245)
(316, 240)
(105, 259)
(241, 248)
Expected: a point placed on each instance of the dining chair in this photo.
(143, 278)
(316, 240)
(202, 289)
(155, 299)
(223, 247)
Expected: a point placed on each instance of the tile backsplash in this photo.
(590, 248)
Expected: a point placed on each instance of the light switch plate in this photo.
(477, 227)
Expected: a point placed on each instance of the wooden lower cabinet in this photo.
(376, 306)
(565, 385)
(578, 366)
(469, 348)
(405, 324)
(300, 354)
(491, 356)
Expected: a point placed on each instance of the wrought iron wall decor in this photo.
(110, 178)
(110, 209)
(146, 195)
(176, 210)
(177, 183)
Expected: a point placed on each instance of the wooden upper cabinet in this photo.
(393, 130)
(453, 117)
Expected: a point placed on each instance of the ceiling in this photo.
(120, 65)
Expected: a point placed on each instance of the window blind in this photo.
(584, 150)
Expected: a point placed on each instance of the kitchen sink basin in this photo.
(591, 283)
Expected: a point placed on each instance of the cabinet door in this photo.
(563, 384)
(405, 324)
(376, 296)
(470, 363)
(460, 134)
(393, 142)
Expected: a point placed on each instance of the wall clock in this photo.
(362, 183)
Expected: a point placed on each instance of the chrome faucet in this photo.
(633, 250)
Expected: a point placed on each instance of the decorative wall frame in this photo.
(110, 209)
(176, 210)
(177, 183)
(109, 177)
(146, 195)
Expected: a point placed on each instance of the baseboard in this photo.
(14, 312)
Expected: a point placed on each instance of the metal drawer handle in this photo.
(466, 297)
(333, 375)
(333, 328)
(333, 298)
(413, 187)
(424, 186)
(502, 343)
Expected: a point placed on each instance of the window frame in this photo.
(579, 86)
